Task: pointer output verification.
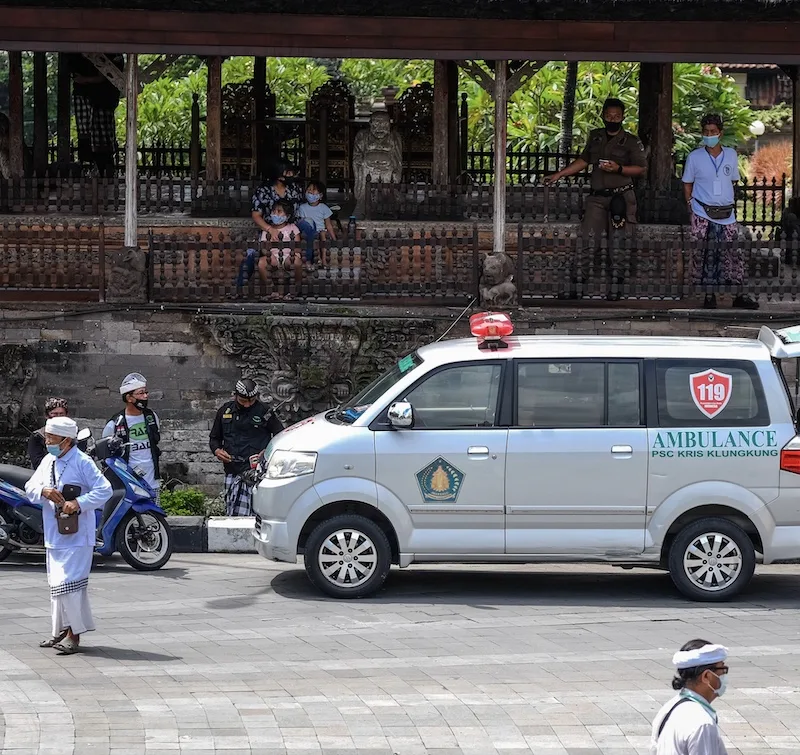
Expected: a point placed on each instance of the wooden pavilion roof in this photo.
(658, 30)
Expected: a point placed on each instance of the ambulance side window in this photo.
(578, 394)
(460, 396)
(709, 393)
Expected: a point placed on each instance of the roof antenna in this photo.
(455, 322)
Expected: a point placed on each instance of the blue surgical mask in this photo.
(312, 198)
(711, 141)
(277, 219)
(54, 450)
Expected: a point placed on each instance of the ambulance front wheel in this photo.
(711, 560)
(348, 556)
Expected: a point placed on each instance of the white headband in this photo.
(704, 656)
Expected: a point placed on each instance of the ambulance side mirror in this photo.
(401, 415)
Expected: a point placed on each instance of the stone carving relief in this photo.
(17, 389)
(126, 275)
(377, 156)
(306, 365)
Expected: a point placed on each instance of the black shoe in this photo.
(710, 301)
(745, 302)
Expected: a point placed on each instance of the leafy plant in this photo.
(771, 162)
(183, 502)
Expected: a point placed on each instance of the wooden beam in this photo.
(156, 69)
(131, 154)
(441, 132)
(528, 69)
(500, 144)
(103, 64)
(214, 120)
(40, 135)
(63, 110)
(473, 69)
(655, 121)
(16, 143)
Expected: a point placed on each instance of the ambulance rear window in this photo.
(716, 393)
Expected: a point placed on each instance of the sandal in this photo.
(67, 647)
(53, 641)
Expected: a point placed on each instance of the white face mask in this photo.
(723, 684)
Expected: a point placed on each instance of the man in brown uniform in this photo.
(617, 157)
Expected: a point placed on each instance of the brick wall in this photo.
(193, 359)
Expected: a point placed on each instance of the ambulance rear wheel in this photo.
(711, 560)
(348, 556)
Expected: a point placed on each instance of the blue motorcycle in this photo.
(131, 521)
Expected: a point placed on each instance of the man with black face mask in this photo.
(138, 428)
(616, 157)
(242, 428)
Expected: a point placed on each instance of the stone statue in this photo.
(377, 153)
(496, 286)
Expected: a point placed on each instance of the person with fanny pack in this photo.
(687, 724)
(708, 178)
(617, 158)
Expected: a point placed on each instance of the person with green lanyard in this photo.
(687, 724)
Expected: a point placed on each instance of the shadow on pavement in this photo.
(237, 601)
(35, 562)
(127, 654)
(484, 588)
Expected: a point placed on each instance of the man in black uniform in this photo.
(617, 157)
(242, 428)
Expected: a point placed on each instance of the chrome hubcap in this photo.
(148, 544)
(712, 561)
(347, 558)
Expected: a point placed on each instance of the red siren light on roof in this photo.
(490, 328)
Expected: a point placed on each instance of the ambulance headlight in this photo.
(283, 464)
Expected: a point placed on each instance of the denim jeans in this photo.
(247, 268)
(309, 230)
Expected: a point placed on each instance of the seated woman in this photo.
(281, 186)
(280, 229)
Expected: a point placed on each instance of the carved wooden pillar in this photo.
(794, 74)
(40, 135)
(214, 120)
(655, 121)
(260, 97)
(131, 153)
(452, 120)
(441, 130)
(63, 110)
(500, 148)
(15, 116)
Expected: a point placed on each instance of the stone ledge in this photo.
(215, 534)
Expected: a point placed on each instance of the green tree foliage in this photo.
(534, 110)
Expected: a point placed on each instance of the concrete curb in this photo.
(216, 534)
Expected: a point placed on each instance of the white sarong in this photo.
(68, 576)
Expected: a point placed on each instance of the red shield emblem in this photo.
(711, 391)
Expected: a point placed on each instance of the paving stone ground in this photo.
(232, 654)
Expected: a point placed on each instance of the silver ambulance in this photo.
(679, 454)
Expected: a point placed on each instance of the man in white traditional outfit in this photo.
(687, 724)
(69, 556)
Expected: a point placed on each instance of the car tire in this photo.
(722, 574)
(348, 556)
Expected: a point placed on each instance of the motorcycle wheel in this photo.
(144, 551)
(4, 552)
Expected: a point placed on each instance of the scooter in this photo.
(131, 521)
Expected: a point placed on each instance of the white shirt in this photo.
(141, 456)
(73, 468)
(690, 730)
(713, 179)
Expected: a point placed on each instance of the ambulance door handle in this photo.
(621, 449)
(478, 451)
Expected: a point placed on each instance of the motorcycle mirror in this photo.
(85, 434)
